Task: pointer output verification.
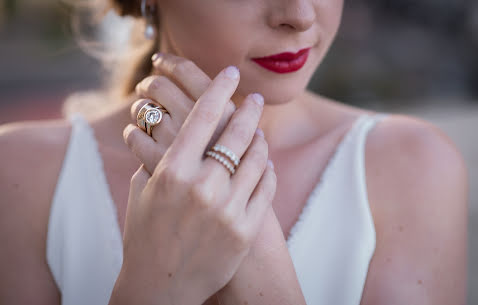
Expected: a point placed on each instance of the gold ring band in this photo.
(225, 156)
(149, 116)
(221, 160)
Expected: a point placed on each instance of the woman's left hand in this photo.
(252, 280)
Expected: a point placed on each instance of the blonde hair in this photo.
(122, 70)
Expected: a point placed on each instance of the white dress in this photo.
(331, 244)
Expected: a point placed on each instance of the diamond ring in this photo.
(149, 116)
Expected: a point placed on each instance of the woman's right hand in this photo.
(190, 224)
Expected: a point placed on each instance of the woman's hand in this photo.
(251, 281)
(180, 85)
(189, 225)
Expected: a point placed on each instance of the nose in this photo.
(298, 15)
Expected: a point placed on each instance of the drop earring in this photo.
(150, 30)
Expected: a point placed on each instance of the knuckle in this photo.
(185, 66)
(227, 220)
(201, 195)
(209, 115)
(170, 176)
(145, 83)
(260, 151)
(239, 132)
(155, 83)
(242, 239)
(131, 138)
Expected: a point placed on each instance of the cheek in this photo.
(333, 15)
(211, 38)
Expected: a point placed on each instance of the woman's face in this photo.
(218, 33)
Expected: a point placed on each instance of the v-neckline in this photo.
(296, 227)
(319, 186)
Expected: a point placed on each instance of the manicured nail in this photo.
(259, 132)
(269, 162)
(128, 129)
(258, 98)
(232, 72)
(156, 56)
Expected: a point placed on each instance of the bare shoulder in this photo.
(417, 188)
(31, 158)
(31, 150)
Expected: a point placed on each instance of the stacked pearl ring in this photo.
(231, 161)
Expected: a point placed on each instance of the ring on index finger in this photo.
(149, 116)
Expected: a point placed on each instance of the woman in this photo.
(367, 208)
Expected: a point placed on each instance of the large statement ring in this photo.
(224, 156)
(149, 116)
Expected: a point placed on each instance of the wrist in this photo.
(132, 289)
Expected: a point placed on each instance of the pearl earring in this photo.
(150, 30)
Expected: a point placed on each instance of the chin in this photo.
(274, 93)
(274, 96)
(281, 98)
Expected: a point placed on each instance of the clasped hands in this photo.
(226, 213)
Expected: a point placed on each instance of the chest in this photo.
(299, 171)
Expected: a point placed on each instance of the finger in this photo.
(260, 201)
(139, 180)
(185, 73)
(143, 146)
(190, 78)
(164, 130)
(239, 132)
(199, 126)
(248, 173)
(162, 90)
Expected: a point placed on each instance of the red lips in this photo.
(284, 62)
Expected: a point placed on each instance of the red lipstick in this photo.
(284, 62)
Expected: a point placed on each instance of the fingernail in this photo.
(156, 56)
(128, 129)
(232, 72)
(269, 162)
(259, 132)
(258, 98)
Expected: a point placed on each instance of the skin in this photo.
(416, 178)
(269, 249)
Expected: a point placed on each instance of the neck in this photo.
(281, 123)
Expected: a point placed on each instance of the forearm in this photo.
(130, 289)
(266, 275)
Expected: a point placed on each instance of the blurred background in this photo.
(418, 57)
